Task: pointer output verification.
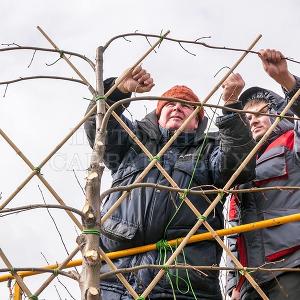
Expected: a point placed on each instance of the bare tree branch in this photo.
(39, 270)
(8, 211)
(48, 50)
(41, 77)
(195, 42)
(202, 268)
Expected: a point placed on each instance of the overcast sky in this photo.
(37, 114)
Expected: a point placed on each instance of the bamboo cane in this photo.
(121, 277)
(44, 181)
(60, 267)
(18, 278)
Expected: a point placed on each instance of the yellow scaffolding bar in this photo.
(17, 292)
(194, 239)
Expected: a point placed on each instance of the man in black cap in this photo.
(278, 164)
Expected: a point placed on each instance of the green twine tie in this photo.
(55, 272)
(97, 98)
(34, 297)
(37, 169)
(202, 217)
(242, 272)
(91, 231)
(156, 157)
(165, 268)
(61, 54)
(140, 298)
(184, 194)
(162, 244)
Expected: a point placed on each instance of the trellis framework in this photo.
(89, 240)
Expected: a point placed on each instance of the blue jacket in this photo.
(148, 215)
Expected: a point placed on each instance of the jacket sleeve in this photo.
(117, 140)
(235, 144)
(289, 95)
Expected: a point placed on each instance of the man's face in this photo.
(173, 114)
(259, 124)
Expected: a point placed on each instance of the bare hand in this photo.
(276, 67)
(138, 81)
(235, 295)
(232, 86)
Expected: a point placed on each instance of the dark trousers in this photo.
(285, 286)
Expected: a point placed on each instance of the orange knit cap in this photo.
(180, 92)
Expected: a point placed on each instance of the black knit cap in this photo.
(261, 94)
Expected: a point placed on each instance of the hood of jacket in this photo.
(276, 105)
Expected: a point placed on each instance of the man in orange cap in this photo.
(151, 215)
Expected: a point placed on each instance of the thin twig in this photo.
(70, 274)
(5, 91)
(225, 67)
(186, 49)
(53, 220)
(78, 182)
(51, 64)
(57, 292)
(31, 59)
(11, 44)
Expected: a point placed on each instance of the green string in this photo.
(34, 297)
(202, 217)
(162, 244)
(55, 272)
(199, 156)
(165, 268)
(184, 194)
(37, 169)
(61, 53)
(97, 98)
(91, 231)
(242, 272)
(12, 271)
(140, 298)
(188, 277)
(156, 157)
